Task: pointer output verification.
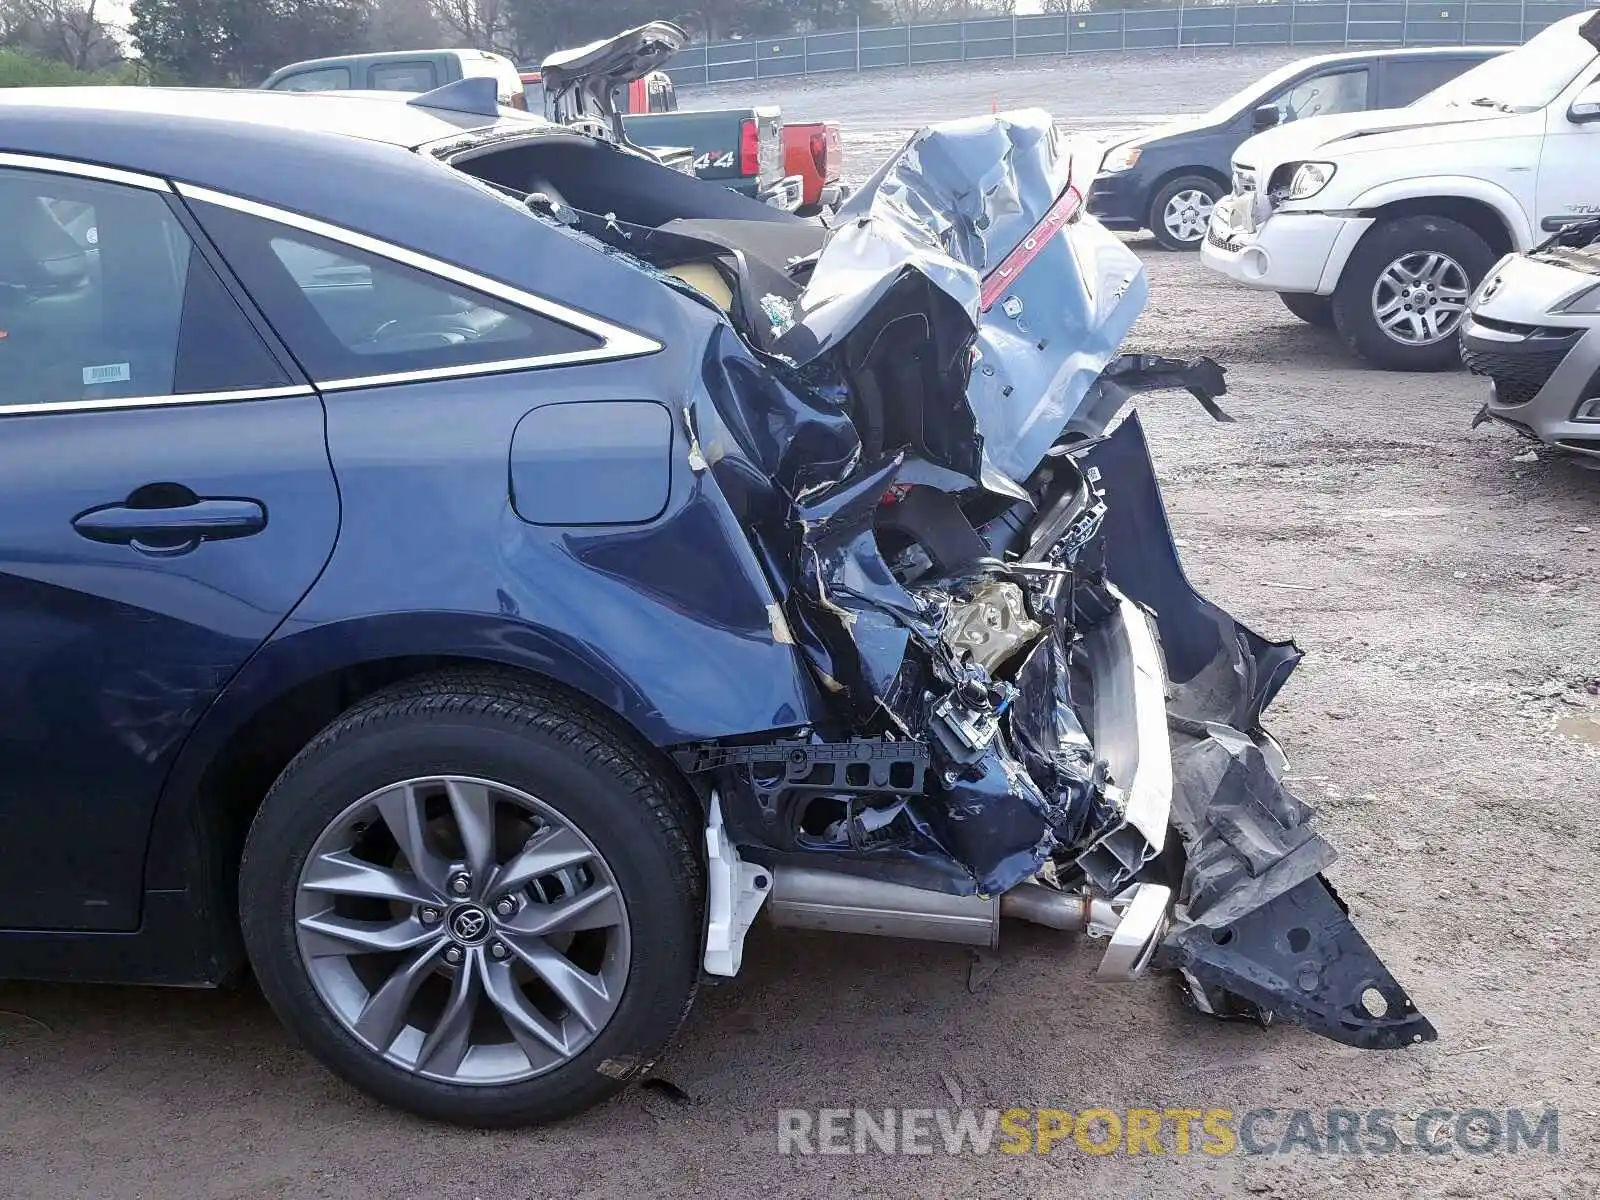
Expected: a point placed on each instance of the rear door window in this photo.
(103, 297)
(327, 79)
(404, 77)
(1406, 80)
(349, 315)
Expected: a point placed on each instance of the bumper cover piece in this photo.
(1301, 958)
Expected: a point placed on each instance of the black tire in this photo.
(515, 732)
(1155, 221)
(1309, 307)
(1383, 244)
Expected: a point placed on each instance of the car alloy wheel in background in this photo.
(1420, 298)
(1187, 214)
(1401, 296)
(1180, 213)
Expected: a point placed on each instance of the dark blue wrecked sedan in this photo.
(468, 573)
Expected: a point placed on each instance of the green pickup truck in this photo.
(405, 71)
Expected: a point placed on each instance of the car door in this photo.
(165, 500)
(1567, 187)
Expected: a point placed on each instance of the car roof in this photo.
(339, 60)
(1344, 56)
(148, 113)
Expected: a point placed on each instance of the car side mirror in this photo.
(1586, 107)
(1267, 116)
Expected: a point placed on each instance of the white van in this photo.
(1382, 223)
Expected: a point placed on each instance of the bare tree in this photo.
(912, 11)
(402, 25)
(67, 31)
(480, 24)
(82, 38)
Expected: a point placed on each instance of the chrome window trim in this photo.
(502, 366)
(119, 402)
(616, 342)
(83, 170)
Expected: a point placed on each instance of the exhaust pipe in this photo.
(809, 898)
(812, 898)
(1076, 913)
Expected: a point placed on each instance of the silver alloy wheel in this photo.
(464, 930)
(1420, 298)
(1187, 214)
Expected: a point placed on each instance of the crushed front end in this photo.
(1031, 712)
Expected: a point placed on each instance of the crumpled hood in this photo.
(1360, 130)
(1021, 342)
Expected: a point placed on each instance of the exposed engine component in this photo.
(991, 625)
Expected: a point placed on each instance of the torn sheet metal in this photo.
(951, 205)
(1255, 918)
(1022, 681)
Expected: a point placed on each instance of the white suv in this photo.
(1382, 223)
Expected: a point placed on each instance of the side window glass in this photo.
(330, 79)
(346, 314)
(1322, 95)
(405, 77)
(102, 297)
(1409, 81)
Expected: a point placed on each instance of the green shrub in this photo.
(26, 70)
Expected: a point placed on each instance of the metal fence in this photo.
(1310, 23)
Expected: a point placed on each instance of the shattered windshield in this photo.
(1522, 80)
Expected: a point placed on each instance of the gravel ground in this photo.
(1107, 95)
(1445, 593)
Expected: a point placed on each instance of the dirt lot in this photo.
(1104, 95)
(1446, 595)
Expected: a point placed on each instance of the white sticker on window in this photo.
(110, 373)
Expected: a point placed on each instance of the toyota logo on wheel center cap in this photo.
(469, 924)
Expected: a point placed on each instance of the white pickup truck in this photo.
(1382, 223)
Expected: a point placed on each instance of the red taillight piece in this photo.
(819, 152)
(997, 281)
(749, 148)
